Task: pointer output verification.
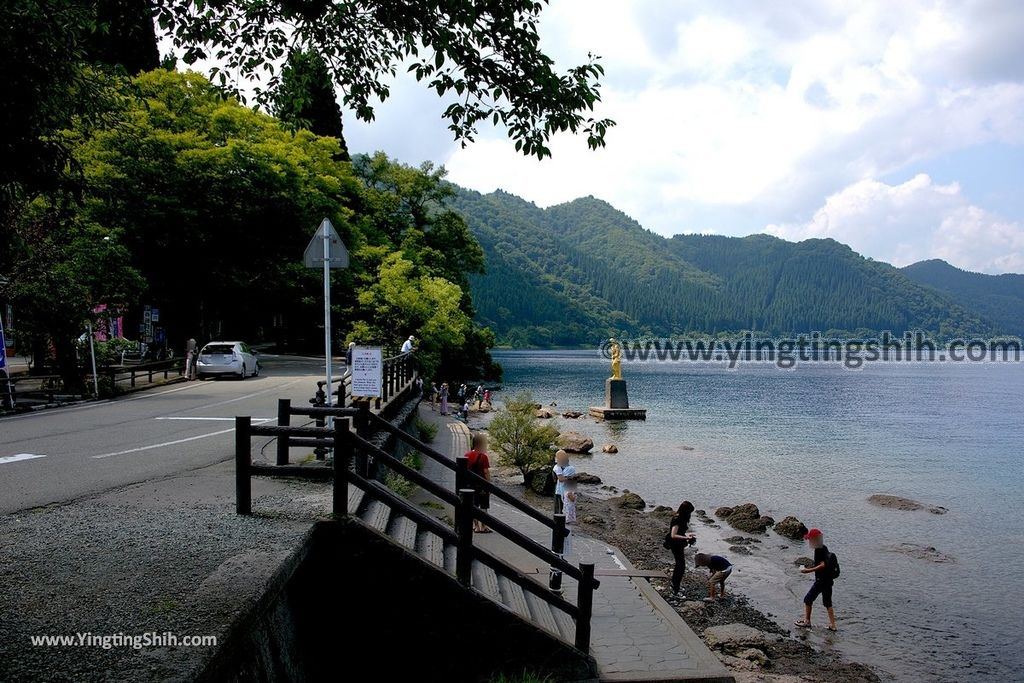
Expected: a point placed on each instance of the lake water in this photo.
(815, 442)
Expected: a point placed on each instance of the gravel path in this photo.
(168, 555)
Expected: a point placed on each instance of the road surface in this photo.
(61, 454)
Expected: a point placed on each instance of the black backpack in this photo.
(832, 566)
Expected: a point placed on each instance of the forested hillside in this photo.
(581, 271)
(998, 297)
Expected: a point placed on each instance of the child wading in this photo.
(825, 570)
(720, 569)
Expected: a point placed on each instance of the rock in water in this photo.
(791, 527)
(543, 413)
(745, 517)
(920, 552)
(572, 414)
(803, 562)
(609, 448)
(631, 501)
(905, 504)
(740, 549)
(584, 478)
(574, 442)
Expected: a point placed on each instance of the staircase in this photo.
(499, 584)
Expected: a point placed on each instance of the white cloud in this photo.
(912, 221)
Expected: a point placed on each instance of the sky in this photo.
(894, 127)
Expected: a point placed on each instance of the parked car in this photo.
(228, 358)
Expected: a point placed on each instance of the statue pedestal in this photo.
(616, 403)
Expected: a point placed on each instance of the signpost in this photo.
(327, 250)
(367, 371)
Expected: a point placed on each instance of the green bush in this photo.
(427, 430)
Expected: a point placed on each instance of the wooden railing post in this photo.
(585, 603)
(284, 419)
(342, 461)
(464, 529)
(558, 548)
(362, 427)
(461, 469)
(243, 461)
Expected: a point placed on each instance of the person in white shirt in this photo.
(407, 346)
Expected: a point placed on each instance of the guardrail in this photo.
(132, 373)
(396, 372)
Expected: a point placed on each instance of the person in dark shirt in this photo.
(678, 540)
(823, 580)
(720, 569)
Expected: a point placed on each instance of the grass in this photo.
(427, 430)
(397, 482)
(432, 505)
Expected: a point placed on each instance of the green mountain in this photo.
(582, 271)
(1000, 298)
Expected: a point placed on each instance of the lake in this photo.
(815, 442)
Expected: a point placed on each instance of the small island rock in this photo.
(609, 448)
(631, 501)
(574, 442)
(791, 527)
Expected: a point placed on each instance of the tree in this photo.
(486, 54)
(305, 98)
(124, 36)
(520, 440)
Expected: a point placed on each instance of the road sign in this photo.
(367, 371)
(314, 255)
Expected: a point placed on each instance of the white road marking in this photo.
(20, 456)
(166, 443)
(278, 387)
(216, 419)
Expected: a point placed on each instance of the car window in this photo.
(218, 348)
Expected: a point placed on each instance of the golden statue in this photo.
(616, 359)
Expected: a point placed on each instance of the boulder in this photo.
(631, 501)
(543, 413)
(609, 448)
(803, 562)
(734, 638)
(791, 527)
(904, 504)
(574, 442)
(663, 510)
(752, 654)
(584, 478)
(740, 549)
(552, 404)
(687, 448)
(745, 517)
(742, 540)
(572, 414)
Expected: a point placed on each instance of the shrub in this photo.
(519, 439)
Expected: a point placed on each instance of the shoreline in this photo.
(780, 657)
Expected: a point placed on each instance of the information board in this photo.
(367, 370)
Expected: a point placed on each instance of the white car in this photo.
(228, 358)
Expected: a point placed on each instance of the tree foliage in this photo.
(484, 56)
(519, 438)
(305, 97)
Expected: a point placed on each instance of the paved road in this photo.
(62, 454)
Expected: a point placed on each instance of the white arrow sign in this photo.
(314, 255)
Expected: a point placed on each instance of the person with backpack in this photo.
(480, 465)
(677, 539)
(826, 571)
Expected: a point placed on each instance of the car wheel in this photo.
(200, 377)
(241, 375)
(256, 371)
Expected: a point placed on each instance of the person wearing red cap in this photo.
(824, 575)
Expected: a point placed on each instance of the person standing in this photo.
(433, 396)
(444, 398)
(480, 465)
(487, 397)
(348, 355)
(462, 392)
(677, 541)
(407, 344)
(824, 570)
(191, 358)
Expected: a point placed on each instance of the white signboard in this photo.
(367, 370)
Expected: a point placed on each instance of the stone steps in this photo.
(498, 588)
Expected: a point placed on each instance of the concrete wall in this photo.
(351, 606)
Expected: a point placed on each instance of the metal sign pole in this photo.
(3, 363)
(327, 311)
